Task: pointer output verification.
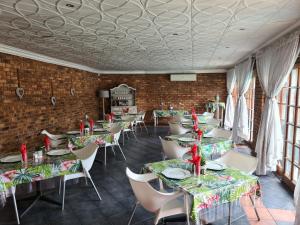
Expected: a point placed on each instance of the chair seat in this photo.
(74, 176)
(171, 208)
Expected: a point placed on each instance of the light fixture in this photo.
(69, 5)
(103, 94)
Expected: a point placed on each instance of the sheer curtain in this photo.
(274, 64)
(229, 110)
(240, 129)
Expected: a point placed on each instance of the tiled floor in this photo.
(83, 208)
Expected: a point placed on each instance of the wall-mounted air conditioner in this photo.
(183, 77)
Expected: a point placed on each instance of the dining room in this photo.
(145, 112)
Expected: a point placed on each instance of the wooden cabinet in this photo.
(123, 98)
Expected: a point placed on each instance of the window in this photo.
(289, 106)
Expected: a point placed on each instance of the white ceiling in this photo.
(148, 35)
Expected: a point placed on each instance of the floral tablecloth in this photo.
(201, 118)
(209, 146)
(204, 127)
(122, 123)
(168, 113)
(98, 138)
(12, 174)
(213, 188)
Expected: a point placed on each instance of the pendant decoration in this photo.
(72, 89)
(53, 99)
(19, 91)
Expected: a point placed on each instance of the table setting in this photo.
(219, 184)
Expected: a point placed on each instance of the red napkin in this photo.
(47, 143)
(81, 126)
(24, 152)
(92, 124)
(196, 160)
(193, 111)
(194, 149)
(200, 133)
(195, 127)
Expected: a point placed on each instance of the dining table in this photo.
(205, 191)
(210, 146)
(46, 167)
(159, 113)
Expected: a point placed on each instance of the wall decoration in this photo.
(72, 90)
(19, 90)
(53, 99)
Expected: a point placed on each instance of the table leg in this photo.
(187, 206)
(229, 213)
(254, 206)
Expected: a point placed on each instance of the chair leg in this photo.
(254, 206)
(121, 151)
(134, 135)
(145, 127)
(89, 176)
(15, 206)
(113, 150)
(63, 196)
(132, 214)
(123, 138)
(127, 135)
(59, 188)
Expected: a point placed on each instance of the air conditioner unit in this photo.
(183, 77)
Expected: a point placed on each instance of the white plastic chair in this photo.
(176, 129)
(116, 132)
(161, 203)
(87, 156)
(129, 129)
(53, 136)
(220, 133)
(209, 114)
(172, 150)
(180, 119)
(213, 122)
(140, 120)
(243, 162)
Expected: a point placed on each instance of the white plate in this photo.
(100, 121)
(176, 173)
(186, 139)
(73, 132)
(212, 165)
(11, 159)
(99, 129)
(58, 152)
(208, 135)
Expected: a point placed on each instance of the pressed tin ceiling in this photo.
(145, 35)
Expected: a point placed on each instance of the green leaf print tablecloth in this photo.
(168, 113)
(210, 146)
(201, 118)
(98, 138)
(12, 174)
(122, 123)
(204, 127)
(212, 189)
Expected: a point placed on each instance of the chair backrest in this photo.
(53, 136)
(54, 143)
(208, 114)
(178, 119)
(297, 193)
(221, 133)
(87, 155)
(243, 162)
(176, 128)
(213, 122)
(146, 195)
(114, 128)
(116, 131)
(141, 116)
(172, 149)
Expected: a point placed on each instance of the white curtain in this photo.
(274, 64)
(297, 202)
(229, 110)
(240, 129)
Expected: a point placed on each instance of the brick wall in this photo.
(22, 120)
(152, 89)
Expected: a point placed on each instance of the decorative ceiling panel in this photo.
(147, 35)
